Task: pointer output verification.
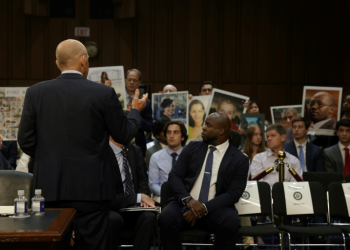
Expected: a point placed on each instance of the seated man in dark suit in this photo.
(310, 156)
(10, 150)
(207, 180)
(336, 158)
(136, 191)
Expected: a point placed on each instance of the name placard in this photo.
(346, 189)
(249, 203)
(298, 198)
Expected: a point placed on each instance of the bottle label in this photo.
(21, 207)
(38, 206)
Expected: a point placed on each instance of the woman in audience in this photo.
(168, 107)
(105, 80)
(196, 119)
(253, 107)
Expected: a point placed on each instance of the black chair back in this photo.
(325, 178)
(337, 202)
(10, 182)
(347, 178)
(318, 196)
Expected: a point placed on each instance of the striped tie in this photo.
(129, 185)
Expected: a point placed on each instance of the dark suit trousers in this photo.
(143, 224)
(223, 222)
(90, 224)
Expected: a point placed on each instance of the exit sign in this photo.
(82, 31)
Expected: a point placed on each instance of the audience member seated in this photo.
(276, 135)
(160, 141)
(163, 161)
(289, 115)
(309, 155)
(206, 88)
(336, 158)
(132, 82)
(9, 150)
(207, 180)
(136, 192)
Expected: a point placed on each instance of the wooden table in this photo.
(35, 232)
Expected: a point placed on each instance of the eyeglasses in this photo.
(319, 104)
(132, 80)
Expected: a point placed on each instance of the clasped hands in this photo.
(138, 103)
(196, 210)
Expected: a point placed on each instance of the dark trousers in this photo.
(142, 223)
(223, 222)
(90, 224)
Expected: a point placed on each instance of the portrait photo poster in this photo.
(283, 115)
(321, 107)
(249, 119)
(173, 105)
(197, 114)
(116, 76)
(229, 103)
(11, 106)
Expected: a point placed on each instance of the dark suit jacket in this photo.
(66, 124)
(333, 159)
(139, 177)
(329, 125)
(231, 181)
(314, 156)
(9, 150)
(149, 152)
(145, 126)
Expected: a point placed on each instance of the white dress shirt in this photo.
(264, 160)
(218, 155)
(71, 71)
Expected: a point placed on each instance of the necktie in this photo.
(204, 193)
(129, 185)
(347, 162)
(174, 155)
(301, 157)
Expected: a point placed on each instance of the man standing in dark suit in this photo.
(66, 124)
(337, 158)
(132, 82)
(309, 155)
(207, 180)
(143, 223)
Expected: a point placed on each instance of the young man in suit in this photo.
(136, 192)
(132, 82)
(207, 180)
(66, 124)
(309, 155)
(336, 158)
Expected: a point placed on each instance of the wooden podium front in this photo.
(35, 232)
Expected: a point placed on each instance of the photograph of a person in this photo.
(197, 114)
(173, 105)
(249, 119)
(284, 115)
(228, 103)
(321, 107)
(112, 76)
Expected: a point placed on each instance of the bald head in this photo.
(72, 55)
(169, 88)
(216, 129)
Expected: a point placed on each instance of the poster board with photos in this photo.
(173, 105)
(11, 106)
(229, 103)
(249, 119)
(115, 75)
(196, 116)
(321, 107)
(283, 115)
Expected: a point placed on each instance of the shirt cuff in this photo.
(138, 200)
(205, 208)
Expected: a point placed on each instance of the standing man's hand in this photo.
(197, 208)
(137, 103)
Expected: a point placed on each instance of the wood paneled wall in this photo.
(266, 49)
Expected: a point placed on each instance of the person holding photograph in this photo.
(288, 116)
(196, 119)
(105, 80)
(229, 108)
(168, 107)
(321, 108)
(346, 107)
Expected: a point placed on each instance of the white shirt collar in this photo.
(116, 149)
(270, 153)
(222, 147)
(71, 71)
(297, 144)
(341, 146)
(317, 125)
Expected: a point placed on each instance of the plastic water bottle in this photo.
(38, 203)
(21, 204)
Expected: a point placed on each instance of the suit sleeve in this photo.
(27, 134)
(320, 161)
(327, 163)
(121, 128)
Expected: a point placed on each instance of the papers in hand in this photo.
(138, 208)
